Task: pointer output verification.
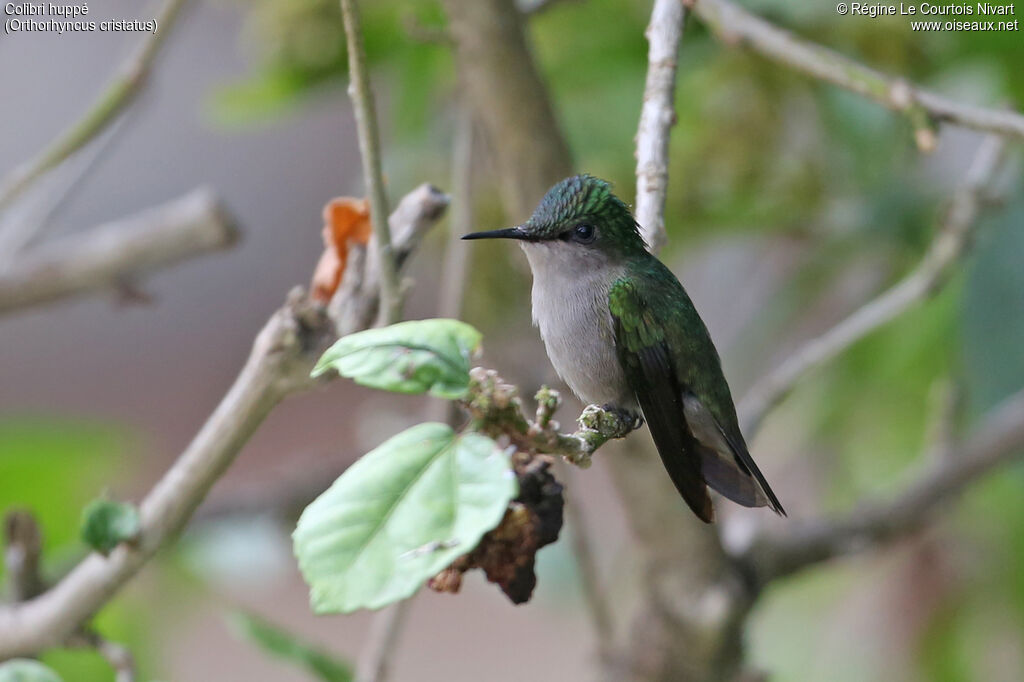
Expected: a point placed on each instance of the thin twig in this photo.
(282, 357)
(356, 303)
(735, 25)
(369, 148)
(120, 93)
(375, 657)
(25, 223)
(102, 257)
(945, 401)
(582, 544)
(657, 116)
(375, 662)
(873, 523)
(455, 269)
(23, 546)
(948, 247)
(456, 261)
(117, 655)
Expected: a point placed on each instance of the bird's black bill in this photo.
(507, 233)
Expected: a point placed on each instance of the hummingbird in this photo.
(622, 332)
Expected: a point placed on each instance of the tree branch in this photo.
(947, 248)
(356, 304)
(282, 356)
(509, 99)
(657, 116)
(497, 411)
(23, 546)
(369, 149)
(375, 662)
(1000, 439)
(117, 655)
(105, 256)
(735, 25)
(121, 92)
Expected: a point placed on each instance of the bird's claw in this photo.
(612, 421)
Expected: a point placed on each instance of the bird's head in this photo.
(578, 215)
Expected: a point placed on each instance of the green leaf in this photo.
(284, 645)
(25, 670)
(409, 357)
(106, 524)
(399, 515)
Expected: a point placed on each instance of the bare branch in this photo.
(509, 99)
(947, 248)
(657, 116)
(874, 523)
(27, 221)
(456, 255)
(355, 304)
(369, 149)
(104, 256)
(735, 25)
(279, 364)
(375, 662)
(120, 93)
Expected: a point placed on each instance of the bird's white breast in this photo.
(570, 307)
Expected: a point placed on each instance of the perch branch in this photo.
(369, 149)
(947, 248)
(498, 412)
(996, 442)
(282, 356)
(120, 93)
(735, 25)
(657, 116)
(105, 256)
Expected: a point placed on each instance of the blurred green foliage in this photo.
(279, 643)
(759, 151)
(53, 468)
(43, 460)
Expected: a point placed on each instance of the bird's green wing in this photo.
(647, 361)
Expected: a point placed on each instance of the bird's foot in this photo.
(633, 419)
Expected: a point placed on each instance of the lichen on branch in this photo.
(497, 411)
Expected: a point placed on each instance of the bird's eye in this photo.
(584, 233)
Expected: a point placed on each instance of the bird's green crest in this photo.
(585, 199)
